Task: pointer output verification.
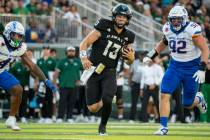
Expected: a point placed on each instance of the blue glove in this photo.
(50, 85)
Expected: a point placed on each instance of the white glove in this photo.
(199, 76)
(86, 74)
(56, 97)
(147, 60)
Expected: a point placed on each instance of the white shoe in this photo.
(131, 121)
(161, 131)
(86, 120)
(92, 119)
(103, 134)
(173, 118)
(202, 105)
(54, 118)
(23, 120)
(80, 118)
(41, 120)
(11, 123)
(59, 120)
(188, 119)
(48, 121)
(70, 120)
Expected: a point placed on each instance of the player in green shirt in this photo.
(47, 65)
(67, 71)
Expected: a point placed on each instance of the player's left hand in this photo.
(128, 53)
(199, 76)
(50, 85)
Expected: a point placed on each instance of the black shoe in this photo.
(102, 130)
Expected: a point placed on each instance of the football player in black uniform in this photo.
(110, 40)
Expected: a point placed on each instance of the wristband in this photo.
(202, 66)
(82, 54)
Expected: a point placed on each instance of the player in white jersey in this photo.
(12, 47)
(189, 56)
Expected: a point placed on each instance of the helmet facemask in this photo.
(119, 22)
(15, 39)
(178, 17)
(177, 22)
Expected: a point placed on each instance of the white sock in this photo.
(11, 117)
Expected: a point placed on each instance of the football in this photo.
(123, 49)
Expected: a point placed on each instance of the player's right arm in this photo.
(88, 40)
(156, 51)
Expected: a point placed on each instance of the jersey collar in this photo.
(181, 30)
(124, 29)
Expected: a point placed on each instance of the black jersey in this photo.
(108, 47)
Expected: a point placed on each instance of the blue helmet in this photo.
(178, 17)
(14, 27)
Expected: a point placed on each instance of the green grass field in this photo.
(116, 131)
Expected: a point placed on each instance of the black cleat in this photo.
(102, 130)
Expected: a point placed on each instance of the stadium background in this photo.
(51, 23)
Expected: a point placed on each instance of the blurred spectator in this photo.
(32, 6)
(47, 65)
(20, 9)
(56, 4)
(158, 15)
(85, 30)
(48, 1)
(39, 9)
(207, 27)
(135, 79)
(73, 17)
(53, 53)
(33, 85)
(122, 72)
(148, 23)
(32, 34)
(49, 34)
(43, 9)
(2, 10)
(151, 78)
(72, 14)
(67, 71)
(8, 7)
(64, 3)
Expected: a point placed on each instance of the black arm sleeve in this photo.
(152, 54)
(165, 41)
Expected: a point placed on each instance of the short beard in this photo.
(70, 56)
(119, 26)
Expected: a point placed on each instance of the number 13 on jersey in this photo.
(111, 50)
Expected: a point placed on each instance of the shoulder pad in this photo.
(194, 29)
(22, 49)
(102, 24)
(130, 35)
(166, 28)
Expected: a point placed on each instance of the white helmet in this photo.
(180, 13)
(14, 27)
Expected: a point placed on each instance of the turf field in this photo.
(116, 131)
